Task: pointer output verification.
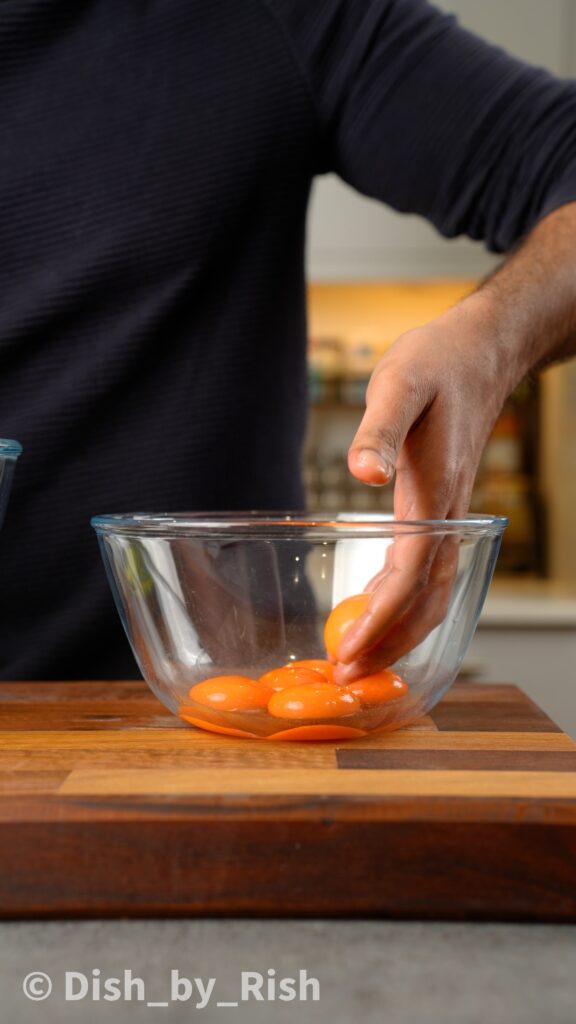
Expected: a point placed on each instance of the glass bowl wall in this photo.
(204, 596)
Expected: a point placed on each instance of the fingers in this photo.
(427, 612)
(401, 634)
(410, 559)
(421, 572)
(393, 404)
(423, 425)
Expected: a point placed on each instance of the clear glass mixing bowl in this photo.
(9, 452)
(207, 596)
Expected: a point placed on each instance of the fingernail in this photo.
(370, 459)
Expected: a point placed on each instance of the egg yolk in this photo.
(341, 617)
(378, 688)
(319, 700)
(190, 716)
(320, 665)
(298, 733)
(290, 675)
(231, 693)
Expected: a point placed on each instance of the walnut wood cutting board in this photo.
(109, 806)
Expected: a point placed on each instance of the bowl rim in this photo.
(287, 525)
(9, 449)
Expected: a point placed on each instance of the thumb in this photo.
(393, 404)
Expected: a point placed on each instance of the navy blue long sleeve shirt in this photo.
(156, 159)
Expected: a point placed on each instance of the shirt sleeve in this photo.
(414, 110)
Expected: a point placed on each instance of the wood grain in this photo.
(498, 760)
(110, 806)
(483, 716)
(245, 782)
(405, 739)
(27, 782)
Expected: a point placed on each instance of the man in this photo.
(157, 161)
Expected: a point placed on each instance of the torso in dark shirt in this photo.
(156, 164)
(153, 191)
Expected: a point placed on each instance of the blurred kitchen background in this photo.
(374, 273)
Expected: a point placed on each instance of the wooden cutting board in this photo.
(109, 807)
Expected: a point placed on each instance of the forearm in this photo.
(531, 298)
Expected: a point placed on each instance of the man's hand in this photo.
(431, 405)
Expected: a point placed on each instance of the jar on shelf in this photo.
(325, 363)
(359, 361)
(504, 450)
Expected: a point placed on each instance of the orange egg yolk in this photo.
(378, 688)
(341, 618)
(231, 693)
(320, 700)
(320, 665)
(290, 675)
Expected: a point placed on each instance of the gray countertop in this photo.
(368, 971)
(529, 604)
(528, 613)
